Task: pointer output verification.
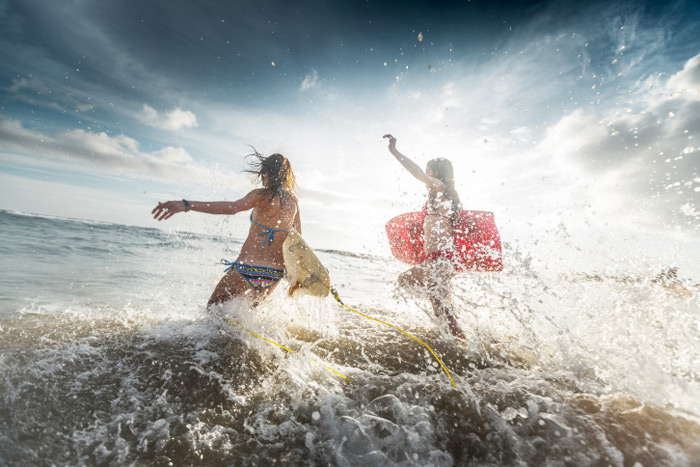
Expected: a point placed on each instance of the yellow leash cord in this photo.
(286, 349)
(260, 337)
(337, 298)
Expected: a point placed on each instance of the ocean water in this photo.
(108, 357)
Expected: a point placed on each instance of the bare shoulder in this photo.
(250, 200)
(256, 192)
(255, 195)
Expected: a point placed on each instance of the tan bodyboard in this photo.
(304, 269)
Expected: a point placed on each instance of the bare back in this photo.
(263, 246)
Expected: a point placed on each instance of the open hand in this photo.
(168, 209)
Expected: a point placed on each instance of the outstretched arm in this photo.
(413, 168)
(169, 208)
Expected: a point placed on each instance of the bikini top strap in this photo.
(268, 232)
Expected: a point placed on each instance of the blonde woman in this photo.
(275, 210)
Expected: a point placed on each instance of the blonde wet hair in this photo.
(278, 170)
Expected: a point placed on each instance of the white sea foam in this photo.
(556, 367)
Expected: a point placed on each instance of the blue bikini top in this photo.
(269, 231)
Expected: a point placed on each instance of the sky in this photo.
(577, 124)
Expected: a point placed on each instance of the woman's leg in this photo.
(419, 277)
(433, 279)
(443, 309)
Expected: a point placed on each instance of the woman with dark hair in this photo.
(260, 264)
(441, 212)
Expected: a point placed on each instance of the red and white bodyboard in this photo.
(476, 239)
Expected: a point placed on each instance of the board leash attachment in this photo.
(337, 298)
(286, 349)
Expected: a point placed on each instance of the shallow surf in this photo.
(108, 357)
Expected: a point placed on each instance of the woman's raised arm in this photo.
(413, 168)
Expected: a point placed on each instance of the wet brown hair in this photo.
(442, 170)
(278, 169)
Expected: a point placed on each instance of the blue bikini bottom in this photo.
(257, 276)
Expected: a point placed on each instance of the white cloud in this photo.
(686, 82)
(641, 160)
(575, 133)
(173, 120)
(116, 153)
(310, 80)
(689, 210)
(173, 155)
